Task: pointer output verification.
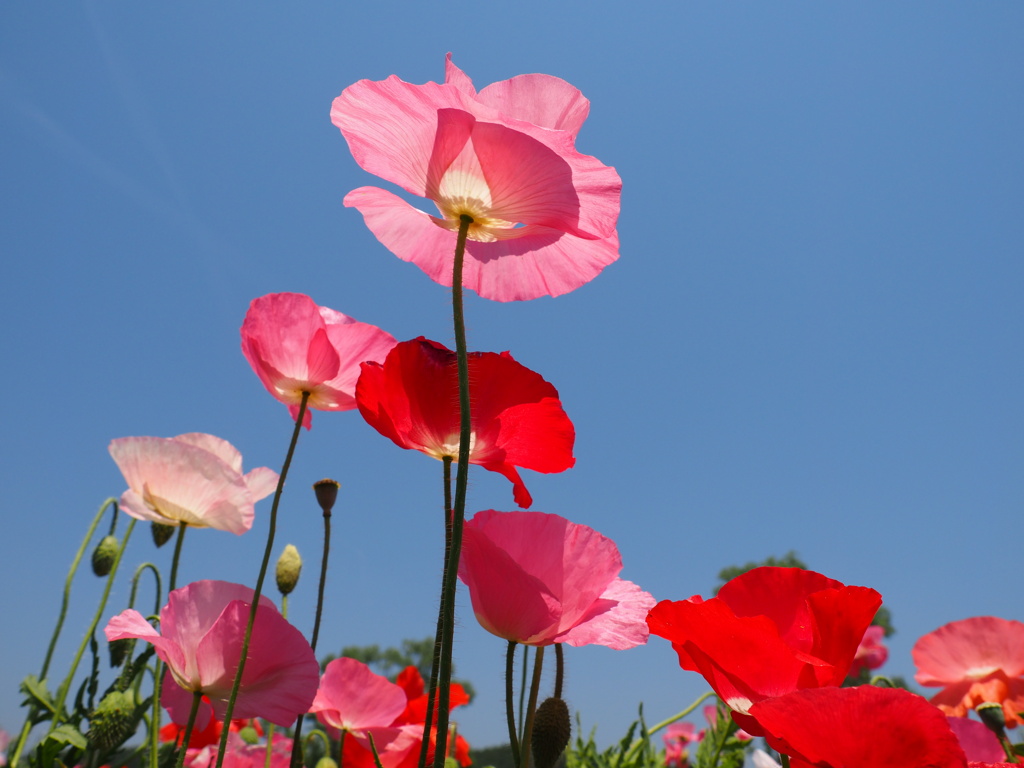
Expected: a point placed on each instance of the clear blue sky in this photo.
(812, 340)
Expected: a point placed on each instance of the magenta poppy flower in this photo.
(543, 214)
(294, 346)
(976, 740)
(539, 579)
(194, 479)
(768, 632)
(517, 419)
(862, 726)
(200, 640)
(974, 660)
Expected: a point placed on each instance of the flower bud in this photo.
(326, 762)
(161, 533)
(248, 734)
(326, 494)
(289, 566)
(992, 715)
(104, 555)
(551, 731)
(113, 720)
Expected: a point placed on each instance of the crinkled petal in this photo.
(261, 482)
(970, 649)
(352, 697)
(130, 624)
(617, 619)
(543, 100)
(218, 446)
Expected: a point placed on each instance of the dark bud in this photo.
(104, 555)
(326, 494)
(551, 732)
(992, 715)
(113, 720)
(161, 533)
(119, 650)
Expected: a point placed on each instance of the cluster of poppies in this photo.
(538, 219)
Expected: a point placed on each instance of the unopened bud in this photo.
(161, 533)
(119, 650)
(248, 734)
(104, 555)
(992, 715)
(551, 732)
(113, 720)
(326, 494)
(326, 762)
(289, 566)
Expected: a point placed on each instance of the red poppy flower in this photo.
(769, 631)
(855, 727)
(517, 418)
(975, 660)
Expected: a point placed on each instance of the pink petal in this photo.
(540, 262)
(618, 619)
(543, 100)
(969, 649)
(219, 447)
(976, 740)
(261, 482)
(130, 624)
(352, 698)
(178, 703)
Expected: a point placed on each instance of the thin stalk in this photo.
(439, 631)
(19, 745)
(158, 667)
(510, 714)
(559, 670)
(459, 508)
(222, 748)
(639, 743)
(197, 696)
(523, 690)
(531, 708)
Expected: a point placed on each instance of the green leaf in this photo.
(66, 734)
(37, 693)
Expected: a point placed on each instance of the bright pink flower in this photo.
(768, 632)
(294, 346)
(975, 660)
(676, 737)
(240, 754)
(517, 418)
(194, 479)
(976, 740)
(201, 632)
(871, 653)
(543, 214)
(538, 579)
(855, 727)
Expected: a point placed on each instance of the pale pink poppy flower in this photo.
(295, 346)
(539, 579)
(354, 699)
(544, 215)
(194, 479)
(974, 660)
(200, 640)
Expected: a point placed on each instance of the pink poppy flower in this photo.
(976, 740)
(974, 660)
(862, 726)
(543, 214)
(676, 737)
(241, 754)
(517, 419)
(200, 640)
(294, 346)
(539, 579)
(768, 632)
(871, 653)
(194, 479)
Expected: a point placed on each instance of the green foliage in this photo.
(788, 560)
(492, 757)
(720, 748)
(634, 750)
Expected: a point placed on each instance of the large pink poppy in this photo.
(194, 479)
(517, 418)
(974, 660)
(768, 632)
(295, 346)
(539, 579)
(543, 214)
(200, 640)
(859, 727)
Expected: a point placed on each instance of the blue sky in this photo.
(812, 340)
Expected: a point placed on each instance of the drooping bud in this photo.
(289, 566)
(113, 720)
(161, 533)
(119, 650)
(326, 494)
(551, 732)
(326, 762)
(881, 681)
(104, 555)
(992, 715)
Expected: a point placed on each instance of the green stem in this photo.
(19, 745)
(639, 743)
(510, 714)
(559, 670)
(259, 581)
(523, 690)
(66, 685)
(785, 760)
(158, 667)
(459, 509)
(197, 697)
(531, 707)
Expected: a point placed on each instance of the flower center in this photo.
(463, 191)
(450, 446)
